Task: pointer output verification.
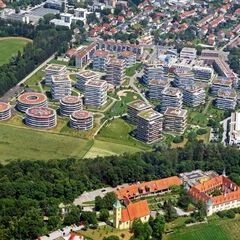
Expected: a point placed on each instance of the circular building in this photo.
(31, 99)
(70, 104)
(5, 111)
(41, 117)
(81, 120)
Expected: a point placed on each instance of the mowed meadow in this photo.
(217, 229)
(9, 47)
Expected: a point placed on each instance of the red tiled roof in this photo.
(135, 211)
(147, 187)
(199, 192)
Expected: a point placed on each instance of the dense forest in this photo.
(47, 40)
(30, 190)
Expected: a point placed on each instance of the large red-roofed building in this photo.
(229, 197)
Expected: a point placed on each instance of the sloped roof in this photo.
(135, 211)
(132, 191)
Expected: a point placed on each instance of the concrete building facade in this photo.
(175, 120)
(149, 127)
(61, 86)
(95, 93)
(171, 97)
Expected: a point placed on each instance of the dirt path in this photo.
(20, 38)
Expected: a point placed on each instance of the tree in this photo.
(103, 215)
(141, 230)
(158, 225)
(73, 217)
(184, 200)
(34, 219)
(89, 217)
(170, 212)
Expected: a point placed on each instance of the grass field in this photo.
(9, 47)
(106, 231)
(28, 144)
(118, 131)
(218, 229)
(108, 148)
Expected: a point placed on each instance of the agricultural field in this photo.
(9, 47)
(30, 144)
(218, 229)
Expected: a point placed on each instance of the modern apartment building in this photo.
(226, 99)
(189, 53)
(154, 70)
(95, 93)
(70, 104)
(115, 72)
(234, 133)
(100, 59)
(156, 87)
(194, 95)
(134, 108)
(61, 86)
(5, 111)
(81, 120)
(183, 78)
(203, 74)
(220, 83)
(175, 120)
(149, 127)
(41, 117)
(54, 69)
(83, 77)
(171, 97)
(128, 57)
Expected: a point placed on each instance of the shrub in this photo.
(178, 139)
(201, 131)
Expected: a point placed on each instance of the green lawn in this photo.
(218, 229)
(107, 148)
(30, 144)
(9, 47)
(132, 70)
(118, 131)
(197, 118)
(37, 77)
(120, 107)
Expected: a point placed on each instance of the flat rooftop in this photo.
(61, 78)
(101, 53)
(71, 99)
(172, 91)
(80, 115)
(40, 112)
(175, 112)
(227, 93)
(87, 74)
(95, 83)
(32, 98)
(139, 105)
(194, 88)
(222, 82)
(55, 67)
(161, 83)
(126, 54)
(4, 106)
(150, 114)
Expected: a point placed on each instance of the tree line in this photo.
(31, 191)
(47, 39)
